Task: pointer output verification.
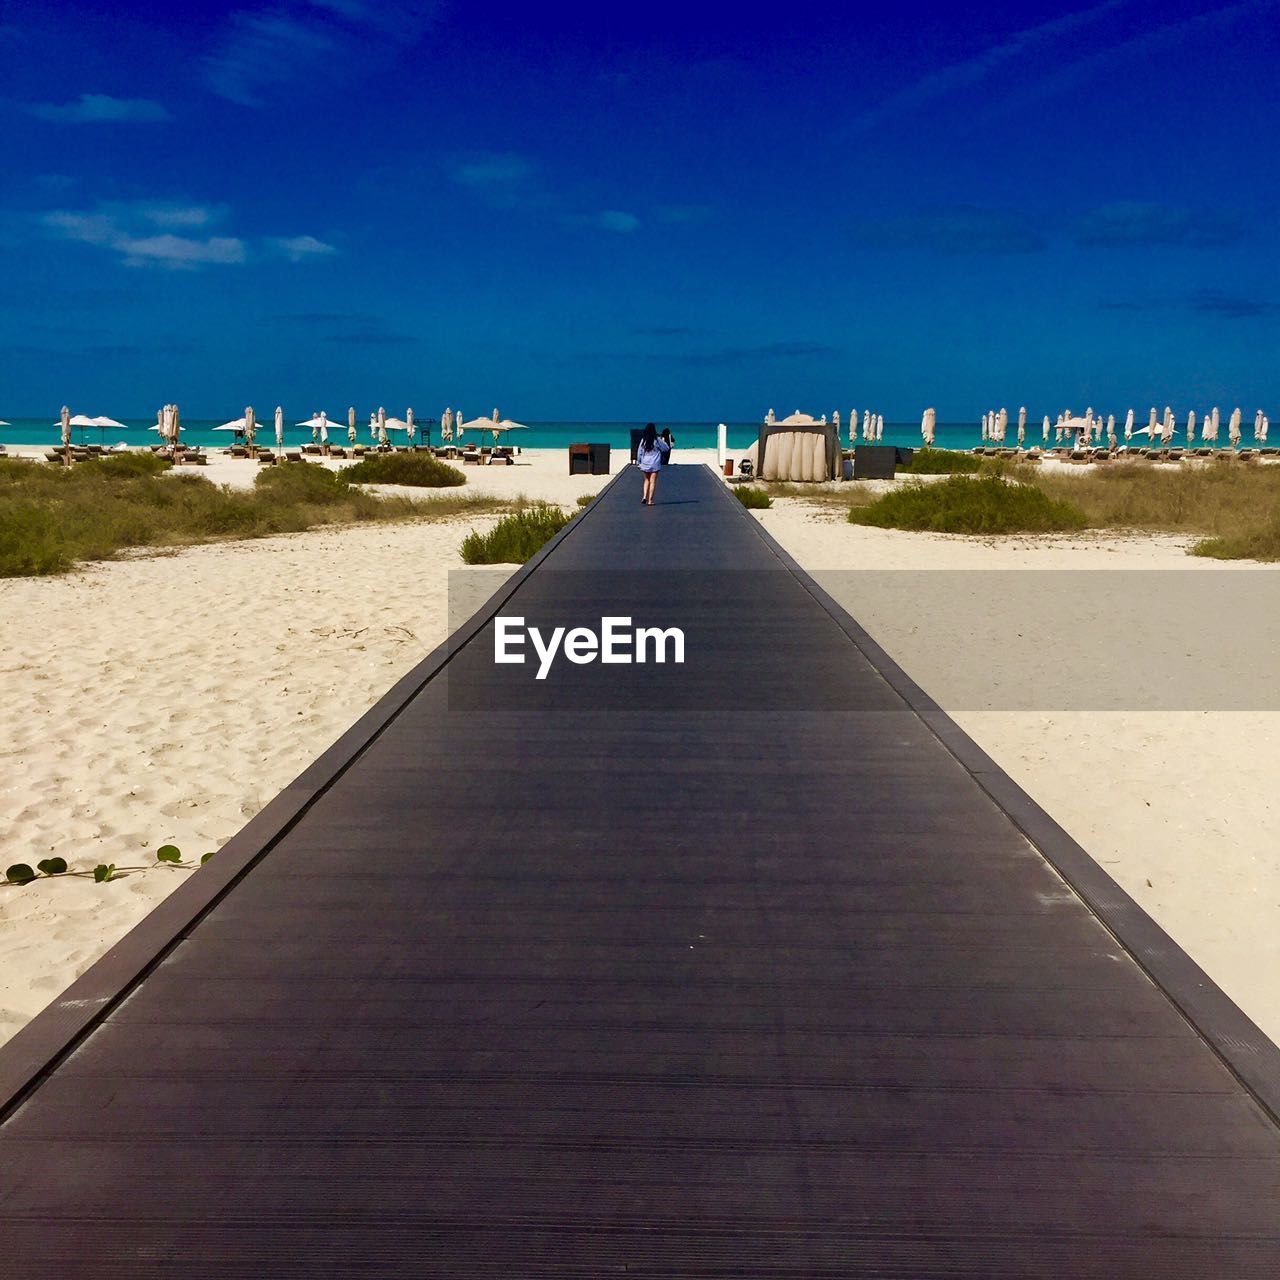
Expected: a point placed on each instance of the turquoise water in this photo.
(541, 435)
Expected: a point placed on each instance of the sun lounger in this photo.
(336, 452)
(293, 455)
(311, 448)
(471, 459)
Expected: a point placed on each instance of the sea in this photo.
(540, 435)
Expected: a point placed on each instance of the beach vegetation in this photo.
(52, 518)
(935, 462)
(970, 504)
(586, 499)
(169, 853)
(20, 873)
(1262, 542)
(420, 469)
(103, 872)
(752, 498)
(516, 538)
(52, 866)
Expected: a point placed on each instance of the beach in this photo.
(166, 697)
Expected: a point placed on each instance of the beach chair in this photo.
(238, 451)
(470, 458)
(266, 459)
(293, 455)
(311, 448)
(336, 451)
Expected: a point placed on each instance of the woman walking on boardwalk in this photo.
(650, 454)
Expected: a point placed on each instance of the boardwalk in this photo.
(734, 968)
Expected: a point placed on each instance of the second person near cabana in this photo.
(651, 452)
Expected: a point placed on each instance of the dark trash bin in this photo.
(579, 459)
(598, 459)
(874, 462)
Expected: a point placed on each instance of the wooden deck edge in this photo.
(53, 1034)
(1247, 1052)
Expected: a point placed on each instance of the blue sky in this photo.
(680, 211)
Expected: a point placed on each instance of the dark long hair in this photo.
(650, 437)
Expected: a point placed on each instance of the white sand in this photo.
(167, 697)
(1178, 805)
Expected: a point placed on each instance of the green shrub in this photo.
(1260, 543)
(31, 543)
(420, 469)
(964, 504)
(935, 462)
(752, 498)
(515, 538)
(302, 482)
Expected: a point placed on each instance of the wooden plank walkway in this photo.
(735, 968)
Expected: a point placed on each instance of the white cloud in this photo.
(260, 51)
(615, 220)
(146, 234)
(100, 108)
(495, 167)
(300, 248)
(179, 252)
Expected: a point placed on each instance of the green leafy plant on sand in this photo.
(515, 538)
(419, 469)
(586, 499)
(752, 498)
(20, 873)
(935, 462)
(964, 504)
(1261, 543)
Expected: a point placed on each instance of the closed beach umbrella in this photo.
(1111, 430)
(373, 427)
(868, 424)
(1233, 428)
(1022, 424)
(880, 426)
(1265, 425)
(853, 427)
(1152, 423)
(314, 422)
(835, 421)
(1044, 429)
(928, 426)
(984, 426)
(1002, 425)
(446, 425)
(324, 427)
(382, 426)
(279, 427)
(1128, 425)
(1191, 428)
(409, 427)
(770, 418)
(64, 420)
(495, 416)
(1257, 425)
(457, 424)
(1215, 419)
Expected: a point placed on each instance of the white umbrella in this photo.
(457, 424)
(351, 425)
(1111, 430)
(409, 425)
(236, 424)
(1128, 425)
(1002, 425)
(985, 426)
(880, 426)
(382, 426)
(1191, 428)
(1257, 425)
(853, 427)
(324, 427)
(835, 421)
(64, 421)
(1044, 429)
(1215, 424)
(102, 423)
(1233, 428)
(250, 425)
(868, 424)
(279, 427)
(927, 426)
(1266, 423)
(770, 418)
(446, 425)
(373, 427)
(496, 428)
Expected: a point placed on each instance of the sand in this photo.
(166, 697)
(1154, 745)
